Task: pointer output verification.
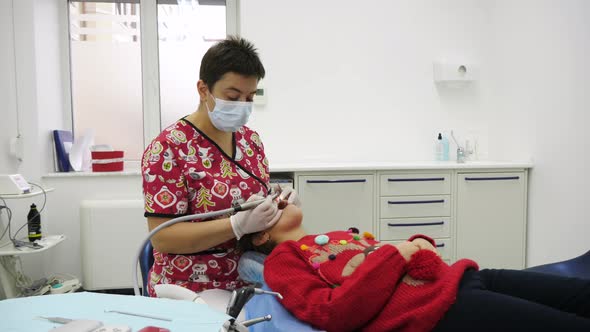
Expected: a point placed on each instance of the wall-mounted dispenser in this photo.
(454, 72)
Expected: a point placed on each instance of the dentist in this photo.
(208, 161)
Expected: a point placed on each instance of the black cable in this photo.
(9, 214)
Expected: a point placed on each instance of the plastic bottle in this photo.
(439, 149)
(34, 223)
(445, 144)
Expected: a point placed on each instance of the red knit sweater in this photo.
(347, 285)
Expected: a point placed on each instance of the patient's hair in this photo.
(233, 54)
(246, 244)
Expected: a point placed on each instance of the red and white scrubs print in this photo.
(185, 172)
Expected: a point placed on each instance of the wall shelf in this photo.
(50, 241)
(34, 193)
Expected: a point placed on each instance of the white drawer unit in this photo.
(443, 246)
(415, 184)
(416, 203)
(337, 202)
(415, 206)
(401, 229)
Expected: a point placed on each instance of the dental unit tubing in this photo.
(241, 207)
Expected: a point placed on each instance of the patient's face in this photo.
(291, 218)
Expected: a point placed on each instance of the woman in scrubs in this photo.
(209, 161)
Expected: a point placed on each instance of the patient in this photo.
(346, 281)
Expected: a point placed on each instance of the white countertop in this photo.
(312, 166)
(397, 165)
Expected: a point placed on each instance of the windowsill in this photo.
(130, 168)
(92, 174)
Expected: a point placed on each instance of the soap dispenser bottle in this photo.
(439, 148)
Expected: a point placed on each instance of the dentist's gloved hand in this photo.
(260, 218)
(291, 196)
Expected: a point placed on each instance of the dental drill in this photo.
(237, 301)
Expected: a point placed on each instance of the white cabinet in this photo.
(491, 218)
(471, 213)
(336, 202)
(416, 203)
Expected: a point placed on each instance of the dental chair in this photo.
(578, 267)
(146, 260)
(250, 268)
(239, 297)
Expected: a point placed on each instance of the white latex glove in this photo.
(260, 218)
(291, 195)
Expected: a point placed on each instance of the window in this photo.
(114, 53)
(186, 31)
(106, 74)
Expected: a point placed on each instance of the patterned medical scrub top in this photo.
(185, 172)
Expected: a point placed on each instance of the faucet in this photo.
(462, 153)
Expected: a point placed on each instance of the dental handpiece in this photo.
(262, 291)
(252, 204)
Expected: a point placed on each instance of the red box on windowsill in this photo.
(107, 161)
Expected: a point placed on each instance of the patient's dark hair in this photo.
(233, 54)
(245, 244)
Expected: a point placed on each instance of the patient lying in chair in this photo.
(347, 281)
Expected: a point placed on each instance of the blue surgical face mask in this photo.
(229, 115)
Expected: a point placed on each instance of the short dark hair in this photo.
(245, 244)
(234, 54)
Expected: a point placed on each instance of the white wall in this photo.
(63, 215)
(352, 80)
(538, 102)
(32, 60)
(8, 112)
(52, 105)
(31, 56)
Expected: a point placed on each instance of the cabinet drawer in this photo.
(443, 246)
(415, 184)
(401, 229)
(415, 206)
(332, 202)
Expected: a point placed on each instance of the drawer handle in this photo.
(337, 181)
(440, 245)
(497, 178)
(417, 224)
(417, 202)
(415, 179)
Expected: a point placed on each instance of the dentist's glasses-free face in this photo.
(231, 87)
